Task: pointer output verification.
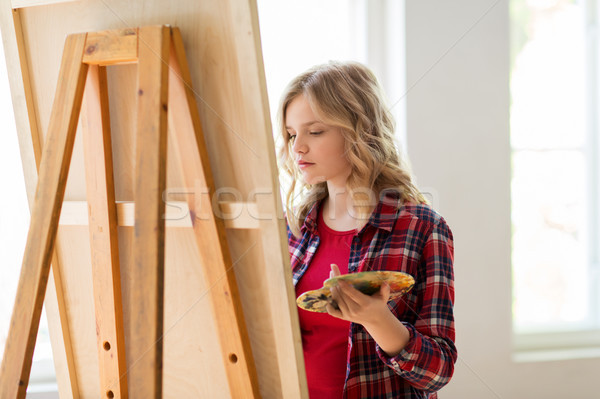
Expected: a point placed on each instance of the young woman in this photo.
(358, 211)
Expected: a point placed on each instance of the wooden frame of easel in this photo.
(164, 93)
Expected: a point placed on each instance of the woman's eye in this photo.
(291, 137)
(316, 133)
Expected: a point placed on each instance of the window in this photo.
(555, 173)
(298, 35)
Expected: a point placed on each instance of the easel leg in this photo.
(145, 373)
(16, 364)
(209, 230)
(103, 236)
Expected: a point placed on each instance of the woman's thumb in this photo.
(385, 290)
(335, 270)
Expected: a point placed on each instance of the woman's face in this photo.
(318, 148)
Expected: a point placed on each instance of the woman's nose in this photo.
(299, 146)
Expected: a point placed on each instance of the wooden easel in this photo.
(164, 91)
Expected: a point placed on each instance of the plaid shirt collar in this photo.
(382, 218)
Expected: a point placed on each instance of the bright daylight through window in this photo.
(554, 140)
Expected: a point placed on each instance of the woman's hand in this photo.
(371, 312)
(355, 306)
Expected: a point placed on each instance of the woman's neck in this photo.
(339, 211)
(338, 203)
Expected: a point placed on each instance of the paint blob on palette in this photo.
(366, 282)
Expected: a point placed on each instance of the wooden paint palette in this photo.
(366, 282)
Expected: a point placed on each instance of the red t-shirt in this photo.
(324, 337)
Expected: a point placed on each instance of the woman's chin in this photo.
(315, 180)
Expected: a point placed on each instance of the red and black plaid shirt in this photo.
(416, 240)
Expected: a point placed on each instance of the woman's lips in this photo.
(303, 165)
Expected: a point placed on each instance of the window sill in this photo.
(550, 355)
(556, 346)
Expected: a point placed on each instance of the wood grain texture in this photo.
(281, 291)
(30, 137)
(78, 293)
(17, 63)
(209, 231)
(151, 162)
(54, 168)
(222, 45)
(31, 3)
(59, 328)
(103, 235)
(111, 47)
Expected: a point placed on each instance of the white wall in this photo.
(458, 139)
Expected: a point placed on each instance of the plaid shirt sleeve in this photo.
(427, 362)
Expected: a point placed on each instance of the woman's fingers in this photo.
(353, 305)
(385, 291)
(333, 311)
(352, 293)
(339, 300)
(347, 303)
(344, 304)
(335, 271)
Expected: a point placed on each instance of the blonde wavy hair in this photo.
(347, 95)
